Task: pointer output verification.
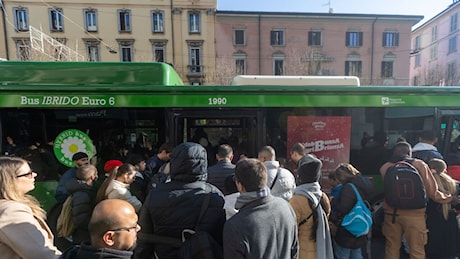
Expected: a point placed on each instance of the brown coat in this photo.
(23, 235)
(302, 209)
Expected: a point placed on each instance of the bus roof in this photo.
(257, 80)
(88, 73)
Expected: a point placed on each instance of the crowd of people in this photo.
(254, 208)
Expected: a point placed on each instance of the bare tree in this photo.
(308, 62)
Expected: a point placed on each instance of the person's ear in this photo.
(240, 187)
(109, 238)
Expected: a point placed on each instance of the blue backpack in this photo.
(359, 220)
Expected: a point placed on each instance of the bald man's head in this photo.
(112, 216)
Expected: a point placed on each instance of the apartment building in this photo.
(374, 47)
(180, 32)
(435, 54)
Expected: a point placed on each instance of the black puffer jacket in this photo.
(343, 204)
(83, 197)
(174, 206)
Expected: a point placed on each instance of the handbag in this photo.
(358, 221)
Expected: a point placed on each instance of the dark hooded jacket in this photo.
(343, 204)
(174, 206)
(86, 251)
(83, 197)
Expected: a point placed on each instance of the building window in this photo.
(60, 53)
(158, 21)
(452, 44)
(278, 66)
(390, 39)
(21, 20)
(56, 19)
(417, 60)
(90, 17)
(434, 52)
(314, 38)
(159, 53)
(195, 59)
(434, 33)
(418, 43)
(387, 69)
(240, 63)
(240, 66)
(353, 68)
(126, 50)
(454, 22)
(92, 47)
(239, 38)
(124, 20)
(23, 49)
(451, 72)
(194, 22)
(277, 38)
(354, 39)
(159, 50)
(415, 81)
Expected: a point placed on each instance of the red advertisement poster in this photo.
(327, 137)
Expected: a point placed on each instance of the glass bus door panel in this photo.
(243, 130)
(449, 139)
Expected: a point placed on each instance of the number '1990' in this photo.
(217, 101)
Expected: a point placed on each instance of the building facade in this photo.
(179, 32)
(375, 48)
(208, 46)
(435, 52)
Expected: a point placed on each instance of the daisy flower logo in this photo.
(69, 142)
(71, 145)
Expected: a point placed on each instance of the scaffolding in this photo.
(49, 48)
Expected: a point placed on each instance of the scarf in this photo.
(312, 191)
(247, 197)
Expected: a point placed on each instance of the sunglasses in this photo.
(28, 175)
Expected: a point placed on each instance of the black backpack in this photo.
(403, 187)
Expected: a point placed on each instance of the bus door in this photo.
(449, 122)
(243, 129)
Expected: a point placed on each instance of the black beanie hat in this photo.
(309, 170)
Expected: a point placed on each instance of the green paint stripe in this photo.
(234, 100)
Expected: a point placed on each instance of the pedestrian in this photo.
(223, 168)
(83, 198)
(139, 187)
(346, 245)
(79, 159)
(113, 232)
(312, 209)
(425, 149)
(411, 222)
(118, 188)
(173, 208)
(441, 218)
(280, 180)
(265, 226)
(24, 232)
(154, 163)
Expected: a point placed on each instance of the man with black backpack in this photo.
(407, 184)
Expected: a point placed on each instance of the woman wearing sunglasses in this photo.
(23, 230)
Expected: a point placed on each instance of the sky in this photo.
(426, 8)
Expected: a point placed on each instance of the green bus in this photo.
(138, 105)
